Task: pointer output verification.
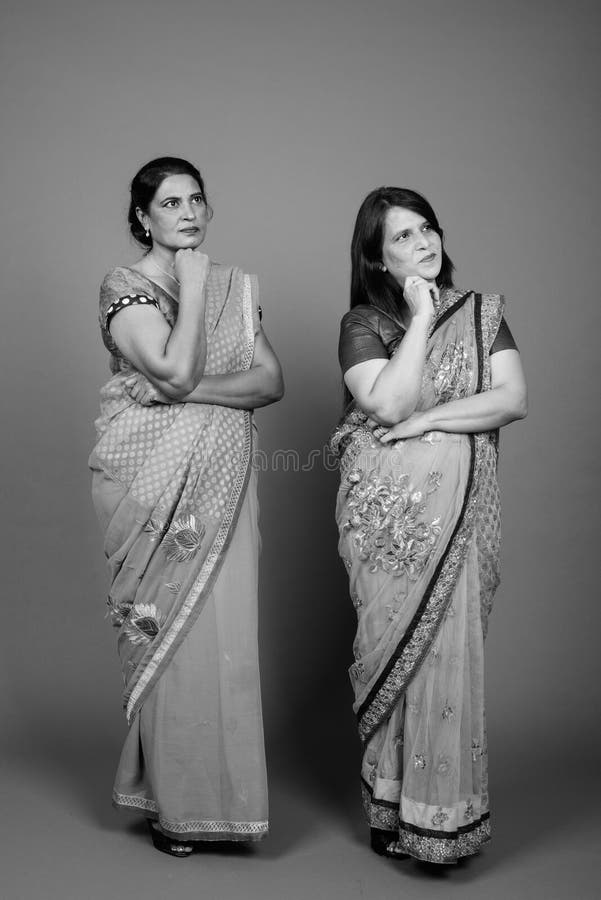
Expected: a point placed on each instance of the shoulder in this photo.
(366, 333)
(122, 280)
(363, 316)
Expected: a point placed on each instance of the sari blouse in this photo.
(367, 332)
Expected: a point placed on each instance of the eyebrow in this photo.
(179, 196)
(410, 228)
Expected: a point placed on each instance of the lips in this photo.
(430, 258)
(192, 230)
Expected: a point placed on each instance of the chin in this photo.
(189, 242)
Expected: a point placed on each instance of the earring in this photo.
(147, 233)
(383, 268)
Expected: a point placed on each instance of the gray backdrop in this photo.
(294, 111)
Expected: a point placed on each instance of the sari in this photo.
(419, 526)
(176, 497)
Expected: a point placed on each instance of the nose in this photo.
(422, 241)
(187, 210)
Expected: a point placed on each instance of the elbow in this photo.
(387, 415)
(179, 385)
(522, 410)
(275, 390)
(517, 407)
(521, 405)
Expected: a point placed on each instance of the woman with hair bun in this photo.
(433, 373)
(176, 497)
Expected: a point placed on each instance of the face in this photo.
(177, 215)
(410, 246)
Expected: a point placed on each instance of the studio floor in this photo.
(62, 839)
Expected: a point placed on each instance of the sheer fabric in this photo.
(419, 525)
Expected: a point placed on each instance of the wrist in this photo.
(194, 294)
(422, 319)
(428, 419)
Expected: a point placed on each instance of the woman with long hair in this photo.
(176, 496)
(432, 372)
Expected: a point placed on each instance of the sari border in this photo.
(414, 645)
(427, 844)
(191, 607)
(206, 829)
(446, 313)
(444, 847)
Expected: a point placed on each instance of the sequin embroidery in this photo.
(385, 518)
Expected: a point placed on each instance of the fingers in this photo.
(139, 389)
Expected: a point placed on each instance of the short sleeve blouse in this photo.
(369, 333)
(122, 287)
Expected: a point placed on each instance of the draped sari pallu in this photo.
(182, 470)
(419, 524)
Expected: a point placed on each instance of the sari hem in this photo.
(194, 830)
(427, 844)
(442, 848)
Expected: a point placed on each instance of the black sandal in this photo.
(165, 844)
(385, 843)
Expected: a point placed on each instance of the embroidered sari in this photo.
(419, 525)
(176, 498)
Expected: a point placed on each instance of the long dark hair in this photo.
(369, 284)
(145, 185)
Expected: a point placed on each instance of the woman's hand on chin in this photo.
(191, 268)
(419, 295)
(413, 426)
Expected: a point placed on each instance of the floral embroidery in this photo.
(434, 479)
(454, 372)
(419, 761)
(439, 817)
(357, 671)
(476, 750)
(431, 437)
(155, 529)
(448, 713)
(385, 518)
(183, 539)
(174, 586)
(443, 766)
(413, 707)
(144, 623)
(118, 612)
(469, 811)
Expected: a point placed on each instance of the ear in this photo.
(143, 219)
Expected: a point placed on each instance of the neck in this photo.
(163, 257)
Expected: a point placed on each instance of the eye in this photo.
(198, 198)
(426, 227)
(402, 236)
(170, 204)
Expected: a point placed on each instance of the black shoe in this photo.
(165, 844)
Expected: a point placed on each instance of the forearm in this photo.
(481, 412)
(250, 389)
(396, 390)
(185, 351)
